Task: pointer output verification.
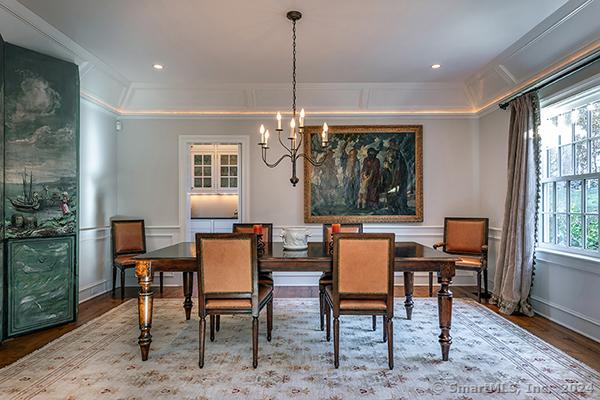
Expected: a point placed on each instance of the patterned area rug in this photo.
(490, 358)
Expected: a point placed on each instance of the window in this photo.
(570, 174)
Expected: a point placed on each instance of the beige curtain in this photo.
(514, 266)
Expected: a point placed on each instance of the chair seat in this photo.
(469, 262)
(358, 304)
(125, 260)
(239, 304)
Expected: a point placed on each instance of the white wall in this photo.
(564, 287)
(98, 202)
(148, 175)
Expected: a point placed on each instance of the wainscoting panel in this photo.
(94, 262)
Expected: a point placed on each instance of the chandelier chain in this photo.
(294, 69)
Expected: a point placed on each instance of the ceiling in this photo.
(241, 41)
(233, 57)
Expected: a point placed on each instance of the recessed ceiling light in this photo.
(157, 67)
(435, 66)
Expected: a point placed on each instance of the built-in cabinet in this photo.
(39, 190)
(214, 168)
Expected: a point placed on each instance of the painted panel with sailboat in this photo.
(41, 180)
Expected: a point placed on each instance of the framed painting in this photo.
(369, 174)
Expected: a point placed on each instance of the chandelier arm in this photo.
(289, 150)
(276, 163)
(300, 140)
(314, 163)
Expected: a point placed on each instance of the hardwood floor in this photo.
(572, 343)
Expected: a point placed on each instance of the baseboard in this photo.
(94, 289)
(571, 319)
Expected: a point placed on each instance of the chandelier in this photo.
(296, 132)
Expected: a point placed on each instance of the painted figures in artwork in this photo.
(40, 145)
(365, 174)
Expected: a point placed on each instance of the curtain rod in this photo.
(554, 78)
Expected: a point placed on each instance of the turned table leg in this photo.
(445, 310)
(143, 271)
(188, 285)
(409, 280)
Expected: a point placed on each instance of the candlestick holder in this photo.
(330, 249)
(260, 245)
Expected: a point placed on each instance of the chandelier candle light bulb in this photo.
(279, 121)
(266, 139)
(293, 128)
(262, 134)
(301, 121)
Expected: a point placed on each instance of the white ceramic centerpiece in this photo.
(295, 238)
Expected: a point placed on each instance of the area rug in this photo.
(490, 358)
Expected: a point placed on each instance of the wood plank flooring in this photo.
(572, 343)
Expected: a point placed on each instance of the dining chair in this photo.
(326, 277)
(228, 283)
(128, 239)
(467, 238)
(363, 284)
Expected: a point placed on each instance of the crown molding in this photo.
(567, 35)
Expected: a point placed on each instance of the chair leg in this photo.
(254, 342)
(269, 320)
(485, 284)
(122, 284)
(327, 322)
(114, 281)
(161, 282)
(212, 328)
(217, 323)
(202, 341)
(390, 328)
(336, 342)
(479, 286)
(374, 322)
(431, 284)
(385, 329)
(322, 305)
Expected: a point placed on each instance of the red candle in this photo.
(258, 229)
(336, 228)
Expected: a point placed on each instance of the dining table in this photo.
(410, 257)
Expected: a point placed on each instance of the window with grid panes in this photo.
(570, 173)
(229, 171)
(203, 170)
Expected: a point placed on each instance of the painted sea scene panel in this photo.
(42, 112)
(369, 174)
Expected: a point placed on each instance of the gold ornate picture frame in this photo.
(370, 174)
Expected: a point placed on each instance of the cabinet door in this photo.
(228, 172)
(203, 171)
(41, 283)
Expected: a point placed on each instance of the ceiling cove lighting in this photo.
(158, 67)
(436, 66)
(296, 132)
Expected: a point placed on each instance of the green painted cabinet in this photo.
(39, 190)
(41, 286)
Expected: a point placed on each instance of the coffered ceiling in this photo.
(233, 57)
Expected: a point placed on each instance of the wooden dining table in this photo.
(410, 257)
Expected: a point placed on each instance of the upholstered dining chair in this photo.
(363, 283)
(228, 283)
(467, 238)
(128, 239)
(327, 278)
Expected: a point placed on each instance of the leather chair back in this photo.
(465, 235)
(249, 228)
(128, 237)
(345, 228)
(363, 265)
